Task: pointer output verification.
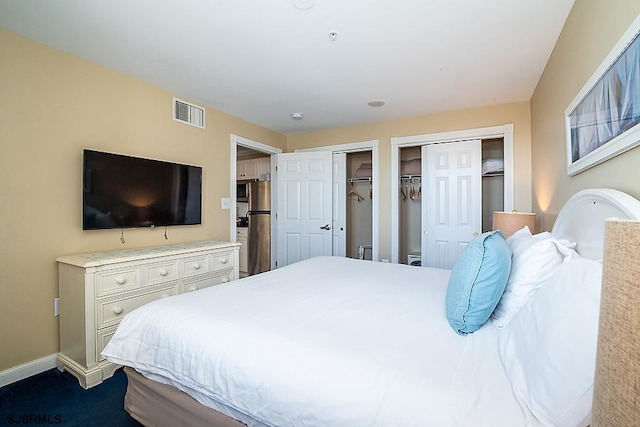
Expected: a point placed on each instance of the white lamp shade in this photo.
(510, 222)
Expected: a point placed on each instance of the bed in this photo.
(335, 341)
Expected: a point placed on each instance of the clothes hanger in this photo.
(353, 192)
(412, 191)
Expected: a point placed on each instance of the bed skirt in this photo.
(155, 404)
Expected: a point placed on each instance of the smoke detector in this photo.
(296, 116)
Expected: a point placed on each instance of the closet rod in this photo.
(406, 177)
(359, 179)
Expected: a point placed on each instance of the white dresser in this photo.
(99, 289)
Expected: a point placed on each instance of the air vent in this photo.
(190, 114)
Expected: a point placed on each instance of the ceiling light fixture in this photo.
(303, 4)
(296, 116)
(376, 103)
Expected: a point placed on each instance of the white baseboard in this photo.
(28, 369)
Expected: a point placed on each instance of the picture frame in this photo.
(603, 120)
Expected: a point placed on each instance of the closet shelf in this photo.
(366, 179)
(493, 174)
(409, 177)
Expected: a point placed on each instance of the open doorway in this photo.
(251, 212)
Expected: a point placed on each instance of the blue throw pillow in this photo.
(477, 282)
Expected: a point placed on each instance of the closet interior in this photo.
(492, 180)
(410, 205)
(411, 195)
(359, 206)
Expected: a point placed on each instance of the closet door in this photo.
(451, 200)
(339, 204)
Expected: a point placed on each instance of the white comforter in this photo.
(324, 342)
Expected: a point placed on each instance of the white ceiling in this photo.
(262, 60)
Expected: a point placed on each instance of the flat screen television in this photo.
(125, 192)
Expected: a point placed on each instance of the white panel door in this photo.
(451, 200)
(339, 204)
(304, 206)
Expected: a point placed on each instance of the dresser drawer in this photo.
(111, 311)
(195, 266)
(222, 260)
(209, 281)
(102, 339)
(162, 272)
(117, 280)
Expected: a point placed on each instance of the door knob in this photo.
(475, 234)
(326, 227)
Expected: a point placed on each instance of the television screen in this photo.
(123, 192)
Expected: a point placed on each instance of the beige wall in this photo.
(54, 105)
(517, 113)
(591, 31)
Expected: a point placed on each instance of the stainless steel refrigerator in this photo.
(259, 232)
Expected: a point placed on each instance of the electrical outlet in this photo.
(56, 307)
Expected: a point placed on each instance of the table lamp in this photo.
(510, 222)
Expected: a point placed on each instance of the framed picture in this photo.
(603, 120)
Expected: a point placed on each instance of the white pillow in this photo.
(534, 260)
(549, 347)
(523, 234)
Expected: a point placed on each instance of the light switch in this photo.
(226, 203)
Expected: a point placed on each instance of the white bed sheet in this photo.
(324, 342)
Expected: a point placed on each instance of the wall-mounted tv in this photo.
(123, 192)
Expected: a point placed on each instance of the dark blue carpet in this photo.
(56, 398)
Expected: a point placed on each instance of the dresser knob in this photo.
(121, 280)
(163, 272)
(223, 260)
(196, 266)
(193, 288)
(164, 296)
(117, 310)
(225, 280)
